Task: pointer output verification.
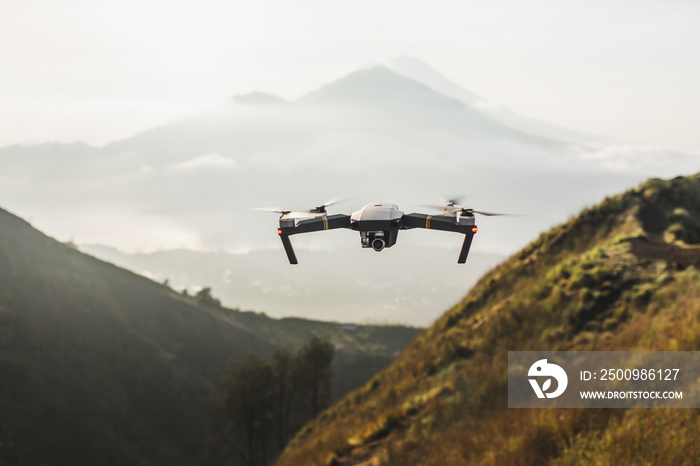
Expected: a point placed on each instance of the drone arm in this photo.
(443, 223)
(308, 226)
(288, 247)
(434, 222)
(326, 222)
(465, 248)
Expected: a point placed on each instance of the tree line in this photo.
(262, 402)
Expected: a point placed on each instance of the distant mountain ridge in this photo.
(380, 99)
(102, 366)
(421, 72)
(378, 85)
(257, 98)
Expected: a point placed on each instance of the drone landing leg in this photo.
(288, 249)
(465, 248)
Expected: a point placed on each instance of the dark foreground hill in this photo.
(623, 275)
(102, 366)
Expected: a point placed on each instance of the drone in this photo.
(378, 224)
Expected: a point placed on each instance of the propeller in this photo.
(490, 214)
(452, 207)
(304, 213)
(322, 207)
(272, 209)
(451, 203)
(454, 200)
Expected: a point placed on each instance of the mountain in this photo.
(421, 72)
(102, 366)
(377, 85)
(622, 275)
(257, 98)
(410, 105)
(374, 101)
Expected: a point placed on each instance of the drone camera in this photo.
(378, 244)
(376, 240)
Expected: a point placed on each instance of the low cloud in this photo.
(212, 160)
(654, 160)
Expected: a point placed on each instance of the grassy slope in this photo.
(101, 366)
(601, 281)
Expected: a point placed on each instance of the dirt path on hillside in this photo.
(657, 249)
(376, 451)
(370, 454)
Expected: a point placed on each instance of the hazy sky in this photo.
(100, 70)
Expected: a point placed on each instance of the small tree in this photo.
(314, 372)
(285, 391)
(205, 298)
(242, 414)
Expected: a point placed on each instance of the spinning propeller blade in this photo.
(452, 207)
(302, 213)
(272, 209)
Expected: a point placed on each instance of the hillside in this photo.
(622, 275)
(101, 366)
